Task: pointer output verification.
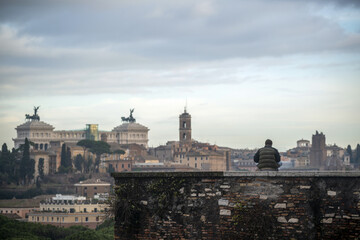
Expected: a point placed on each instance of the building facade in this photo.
(68, 210)
(42, 134)
(91, 187)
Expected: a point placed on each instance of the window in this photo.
(195, 158)
(95, 209)
(184, 124)
(122, 165)
(97, 219)
(86, 219)
(76, 219)
(84, 209)
(196, 165)
(95, 188)
(129, 165)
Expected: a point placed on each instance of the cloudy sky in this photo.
(248, 70)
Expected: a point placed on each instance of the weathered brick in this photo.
(280, 205)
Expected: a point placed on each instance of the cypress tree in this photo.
(4, 158)
(68, 158)
(31, 170)
(357, 154)
(25, 162)
(79, 161)
(349, 151)
(41, 167)
(63, 156)
(15, 166)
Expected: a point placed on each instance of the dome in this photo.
(130, 127)
(30, 125)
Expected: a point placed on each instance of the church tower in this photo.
(318, 151)
(185, 127)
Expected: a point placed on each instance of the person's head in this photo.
(268, 142)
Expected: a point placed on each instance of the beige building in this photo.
(302, 162)
(91, 187)
(132, 132)
(204, 160)
(115, 162)
(68, 210)
(48, 142)
(41, 134)
(21, 212)
(90, 220)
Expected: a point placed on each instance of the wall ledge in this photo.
(203, 174)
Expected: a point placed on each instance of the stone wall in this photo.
(229, 205)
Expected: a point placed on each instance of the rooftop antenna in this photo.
(185, 108)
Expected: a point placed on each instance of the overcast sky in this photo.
(248, 70)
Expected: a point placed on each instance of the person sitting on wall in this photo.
(268, 158)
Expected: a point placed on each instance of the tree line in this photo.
(16, 166)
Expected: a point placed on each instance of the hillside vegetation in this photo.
(15, 230)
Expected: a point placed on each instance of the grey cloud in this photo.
(167, 30)
(76, 47)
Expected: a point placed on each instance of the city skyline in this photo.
(247, 70)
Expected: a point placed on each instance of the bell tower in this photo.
(185, 127)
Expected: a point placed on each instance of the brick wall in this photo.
(217, 205)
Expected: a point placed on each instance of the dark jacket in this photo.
(267, 157)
